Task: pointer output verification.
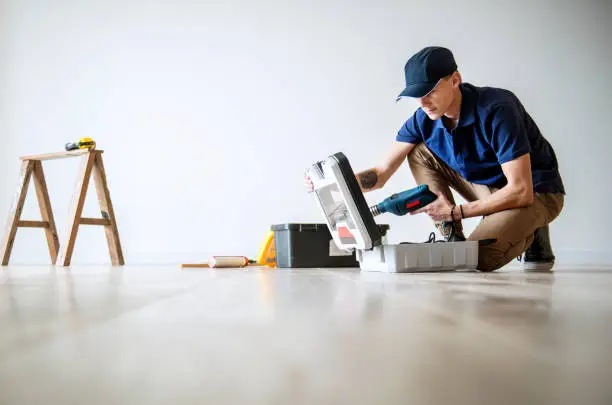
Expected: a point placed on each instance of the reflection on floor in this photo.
(159, 335)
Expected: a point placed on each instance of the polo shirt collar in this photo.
(467, 115)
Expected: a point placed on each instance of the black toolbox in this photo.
(311, 245)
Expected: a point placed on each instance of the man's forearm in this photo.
(505, 198)
(377, 177)
(370, 179)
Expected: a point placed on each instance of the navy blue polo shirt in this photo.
(493, 128)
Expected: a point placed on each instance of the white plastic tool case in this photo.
(352, 227)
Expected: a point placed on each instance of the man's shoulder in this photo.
(418, 125)
(419, 116)
(488, 97)
(418, 119)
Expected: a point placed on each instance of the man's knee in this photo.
(420, 153)
(490, 259)
(421, 157)
(500, 253)
(489, 265)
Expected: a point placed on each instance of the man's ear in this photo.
(456, 79)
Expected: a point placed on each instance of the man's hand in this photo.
(439, 210)
(308, 183)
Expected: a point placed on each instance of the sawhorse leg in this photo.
(44, 204)
(15, 213)
(106, 207)
(74, 218)
(92, 163)
(30, 168)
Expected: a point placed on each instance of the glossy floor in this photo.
(159, 335)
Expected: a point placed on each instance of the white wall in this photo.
(210, 111)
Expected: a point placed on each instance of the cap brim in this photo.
(417, 90)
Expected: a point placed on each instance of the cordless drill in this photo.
(405, 202)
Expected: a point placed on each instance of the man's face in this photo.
(436, 103)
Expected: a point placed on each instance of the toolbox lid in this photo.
(383, 228)
(343, 205)
(299, 227)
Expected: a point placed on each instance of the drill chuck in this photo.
(375, 210)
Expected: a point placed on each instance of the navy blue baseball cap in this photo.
(425, 68)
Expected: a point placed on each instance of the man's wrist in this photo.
(457, 212)
(468, 210)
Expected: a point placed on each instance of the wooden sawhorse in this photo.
(31, 166)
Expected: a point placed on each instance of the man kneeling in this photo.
(481, 142)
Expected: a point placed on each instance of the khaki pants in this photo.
(513, 228)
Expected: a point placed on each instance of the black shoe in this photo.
(539, 256)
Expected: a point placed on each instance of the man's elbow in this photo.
(524, 195)
(383, 177)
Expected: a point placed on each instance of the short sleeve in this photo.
(508, 136)
(409, 132)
